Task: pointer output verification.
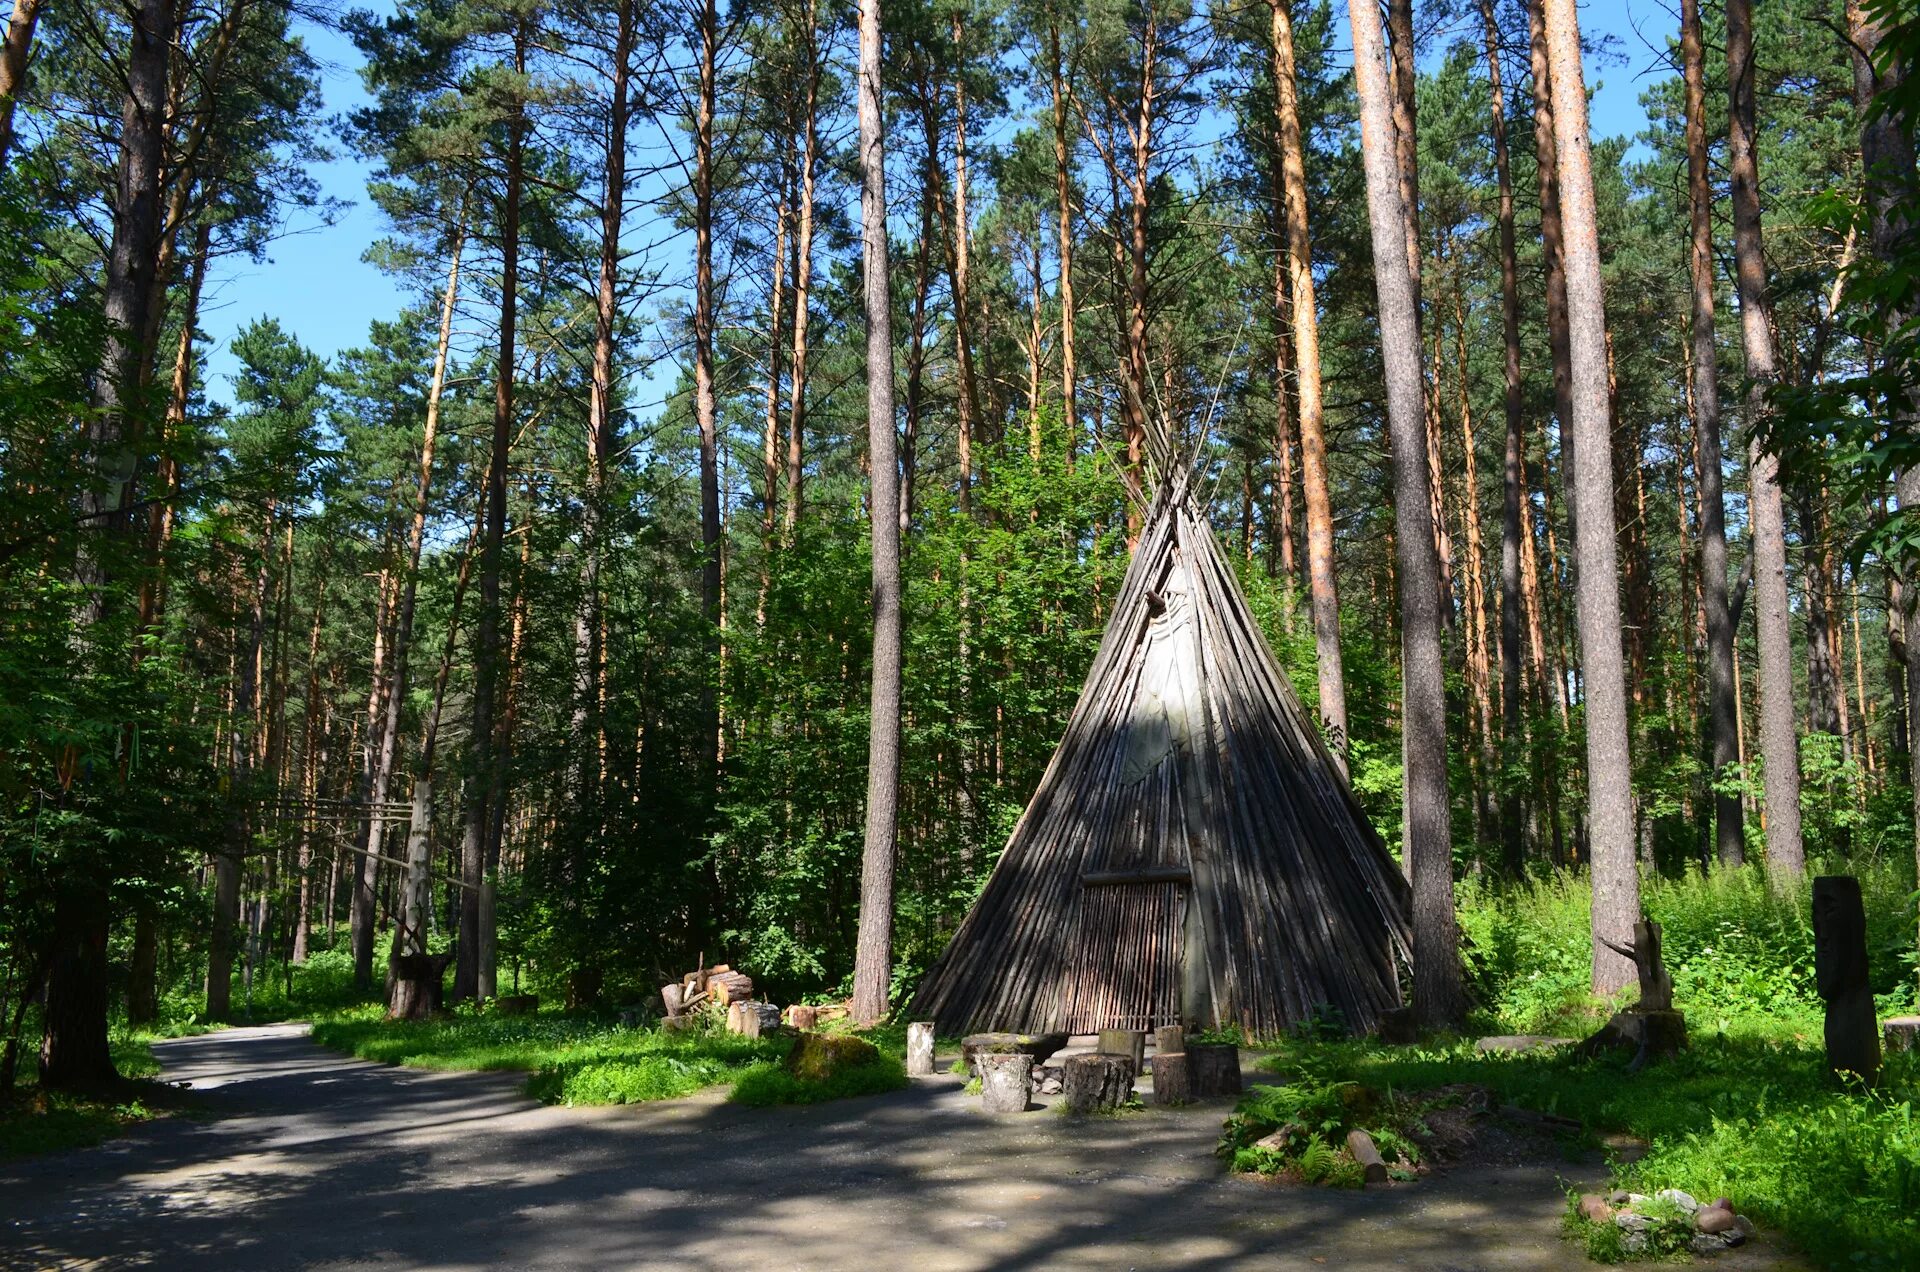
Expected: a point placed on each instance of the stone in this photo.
(1673, 1196)
(1712, 1219)
(1618, 1197)
(1521, 1042)
(1725, 1203)
(1706, 1243)
(1636, 1243)
(1594, 1208)
(1276, 1142)
(1742, 1231)
(1633, 1221)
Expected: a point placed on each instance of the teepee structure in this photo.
(1192, 855)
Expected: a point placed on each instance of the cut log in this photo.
(670, 998)
(1170, 1038)
(920, 1049)
(1901, 1033)
(1213, 1068)
(674, 1024)
(802, 1017)
(1131, 1043)
(1006, 1082)
(752, 1019)
(726, 986)
(1171, 1083)
(1361, 1148)
(1094, 1082)
(416, 992)
(1039, 1046)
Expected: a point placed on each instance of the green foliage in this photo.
(1312, 1116)
(33, 1121)
(765, 1084)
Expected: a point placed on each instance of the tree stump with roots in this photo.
(416, 993)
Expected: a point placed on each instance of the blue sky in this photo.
(316, 284)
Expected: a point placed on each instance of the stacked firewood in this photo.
(718, 984)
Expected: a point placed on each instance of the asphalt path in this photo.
(303, 1159)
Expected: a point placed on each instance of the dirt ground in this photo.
(309, 1160)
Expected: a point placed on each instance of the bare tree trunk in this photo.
(1779, 743)
(1063, 216)
(959, 265)
(312, 758)
(1403, 80)
(1512, 814)
(1547, 161)
(705, 402)
(1439, 999)
(590, 656)
(1322, 581)
(486, 781)
(803, 276)
(1729, 835)
(873, 958)
(160, 515)
(13, 67)
(1134, 398)
(1610, 809)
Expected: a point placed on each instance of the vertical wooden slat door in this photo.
(1125, 969)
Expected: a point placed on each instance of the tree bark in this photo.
(1779, 743)
(1322, 581)
(873, 958)
(1729, 835)
(1547, 162)
(1610, 809)
(1513, 480)
(1063, 217)
(1439, 998)
(705, 402)
(13, 67)
(803, 277)
(486, 780)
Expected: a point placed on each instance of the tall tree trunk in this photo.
(873, 957)
(365, 870)
(1729, 835)
(803, 275)
(74, 1049)
(1513, 478)
(1403, 78)
(959, 265)
(13, 67)
(1779, 742)
(1322, 582)
(590, 656)
(1547, 163)
(1439, 999)
(1610, 809)
(160, 514)
(230, 862)
(705, 401)
(1134, 396)
(1063, 224)
(486, 781)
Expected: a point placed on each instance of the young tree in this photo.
(1439, 999)
(873, 957)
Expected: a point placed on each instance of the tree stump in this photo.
(1131, 1043)
(1213, 1068)
(670, 996)
(1901, 1033)
(1093, 1082)
(1006, 1081)
(920, 1049)
(1840, 976)
(1170, 1038)
(416, 992)
(802, 1017)
(751, 1019)
(1172, 1083)
(1038, 1046)
(1397, 1028)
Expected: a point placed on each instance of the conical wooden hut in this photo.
(1192, 855)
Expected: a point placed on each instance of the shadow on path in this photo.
(313, 1160)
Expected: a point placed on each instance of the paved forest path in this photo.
(312, 1160)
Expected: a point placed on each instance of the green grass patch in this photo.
(576, 1059)
(1743, 1115)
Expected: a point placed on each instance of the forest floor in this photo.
(313, 1160)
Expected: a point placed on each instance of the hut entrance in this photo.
(1126, 963)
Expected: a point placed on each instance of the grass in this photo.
(33, 1121)
(574, 1059)
(1752, 1118)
